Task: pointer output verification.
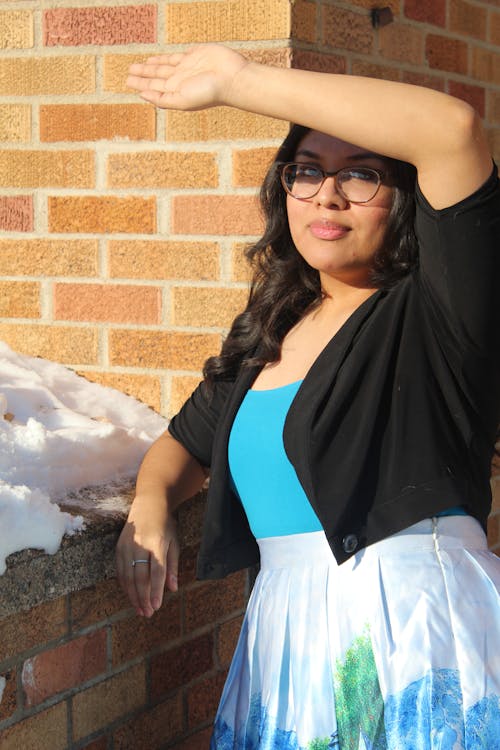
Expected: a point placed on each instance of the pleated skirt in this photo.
(398, 648)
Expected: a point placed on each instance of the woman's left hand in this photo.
(201, 77)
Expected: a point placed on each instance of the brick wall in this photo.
(121, 257)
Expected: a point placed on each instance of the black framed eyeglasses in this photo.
(355, 184)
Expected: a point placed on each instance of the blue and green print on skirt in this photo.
(397, 649)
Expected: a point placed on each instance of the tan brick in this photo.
(495, 491)
(44, 730)
(47, 169)
(467, 19)
(426, 11)
(162, 169)
(422, 79)
(130, 24)
(304, 21)
(15, 122)
(16, 29)
(494, 35)
(182, 388)
(227, 638)
(250, 166)
(106, 702)
(486, 65)
(240, 266)
(225, 20)
(97, 603)
(179, 665)
(474, 95)
(150, 259)
(318, 61)
(212, 600)
(401, 42)
(394, 5)
(58, 343)
(145, 388)
(222, 123)
(493, 531)
(207, 307)
(30, 76)
(25, 630)
(153, 728)
(16, 213)
(162, 350)
(115, 71)
(94, 122)
(64, 667)
(203, 698)
(445, 53)
(344, 29)
(216, 214)
(19, 299)
(136, 636)
(48, 257)
(107, 303)
(103, 214)
(8, 701)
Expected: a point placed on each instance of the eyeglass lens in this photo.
(357, 184)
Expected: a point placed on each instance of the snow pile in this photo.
(60, 433)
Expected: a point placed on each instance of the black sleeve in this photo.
(459, 250)
(194, 426)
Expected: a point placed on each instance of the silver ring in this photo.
(136, 562)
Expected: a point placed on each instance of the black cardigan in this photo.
(396, 419)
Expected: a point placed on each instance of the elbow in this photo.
(464, 128)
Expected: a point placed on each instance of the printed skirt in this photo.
(397, 649)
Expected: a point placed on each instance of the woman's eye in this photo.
(364, 175)
(304, 171)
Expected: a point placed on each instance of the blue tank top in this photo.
(261, 473)
(264, 478)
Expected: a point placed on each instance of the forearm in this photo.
(168, 474)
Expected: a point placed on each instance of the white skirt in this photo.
(398, 648)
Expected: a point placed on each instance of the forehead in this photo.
(323, 146)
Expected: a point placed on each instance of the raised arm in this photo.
(168, 475)
(442, 136)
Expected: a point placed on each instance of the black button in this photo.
(350, 543)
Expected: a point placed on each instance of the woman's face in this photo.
(336, 237)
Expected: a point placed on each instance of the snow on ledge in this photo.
(59, 433)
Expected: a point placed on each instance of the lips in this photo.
(328, 230)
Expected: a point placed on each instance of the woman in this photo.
(348, 422)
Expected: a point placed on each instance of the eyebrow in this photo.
(358, 156)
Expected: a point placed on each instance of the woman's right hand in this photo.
(201, 77)
(150, 537)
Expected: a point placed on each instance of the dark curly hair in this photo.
(284, 286)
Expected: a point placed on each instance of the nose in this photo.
(329, 196)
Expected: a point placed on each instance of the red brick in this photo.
(178, 666)
(111, 303)
(212, 600)
(16, 213)
(93, 122)
(25, 630)
(347, 30)
(103, 214)
(494, 36)
(227, 638)
(136, 636)
(373, 70)
(466, 19)
(203, 699)
(421, 79)
(8, 703)
(99, 744)
(64, 667)
(128, 24)
(474, 95)
(216, 214)
(318, 61)
(486, 65)
(399, 41)
(493, 531)
(198, 741)
(44, 730)
(446, 54)
(97, 603)
(153, 728)
(427, 11)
